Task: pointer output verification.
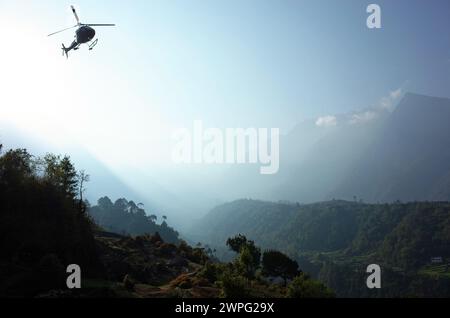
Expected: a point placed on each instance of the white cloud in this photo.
(326, 121)
(396, 94)
(364, 117)
(388, 102)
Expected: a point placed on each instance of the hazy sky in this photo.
(229, 63)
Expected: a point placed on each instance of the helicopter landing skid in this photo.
(93, 44)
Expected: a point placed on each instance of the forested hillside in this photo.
(43, 224)
(45, 227)
(128, 218)
(403, 237)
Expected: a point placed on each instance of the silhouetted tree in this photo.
(275, 263)
(235, 243)
(249, 255)
(62, 173)
(16, 167)
(69, 177)
(83, 177)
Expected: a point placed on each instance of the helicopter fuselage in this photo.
(84, 34)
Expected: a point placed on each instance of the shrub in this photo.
(51, 272)
(234, 286)
(213, 271)
(128, 282)
(304, 287)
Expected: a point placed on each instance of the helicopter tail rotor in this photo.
(64, 51)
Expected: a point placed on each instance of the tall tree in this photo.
(249, 253)
(62, 173)
(277, 264)
(83, 177)
(236, 243)
(69, 177)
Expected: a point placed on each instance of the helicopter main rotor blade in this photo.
(75, 14)
(96, 24)
(63, 30)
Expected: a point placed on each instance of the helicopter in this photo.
(84, 34)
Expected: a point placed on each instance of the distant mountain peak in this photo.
(417, 95)
(422, 110)
(420, 100)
